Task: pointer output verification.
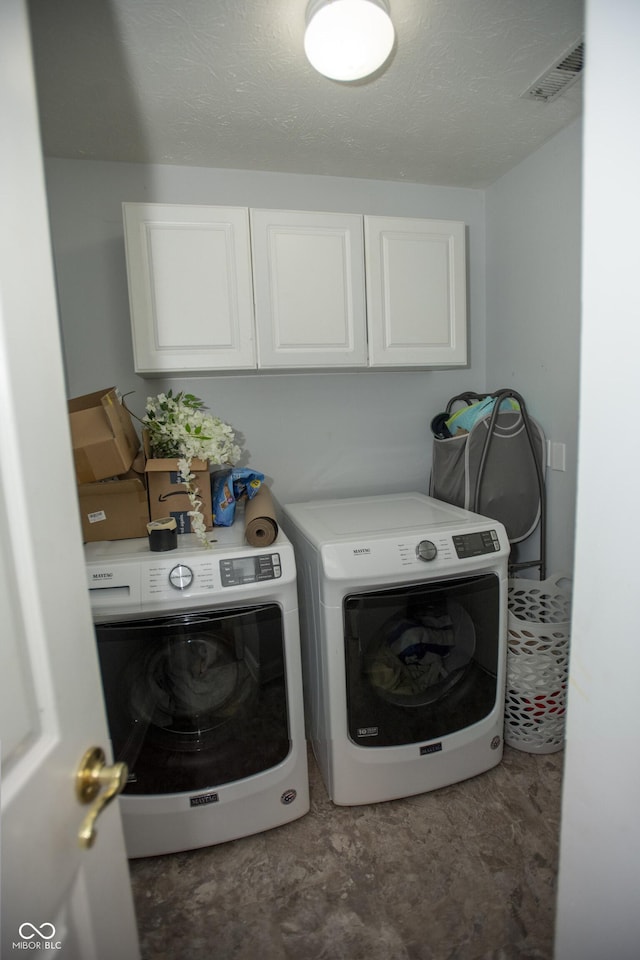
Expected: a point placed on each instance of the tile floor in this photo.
(463, 873)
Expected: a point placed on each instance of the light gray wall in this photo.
(311, 434)
(533, 309)
(318, 434)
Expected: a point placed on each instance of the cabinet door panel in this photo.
(190, 287)
(416, 292)
(308, 271)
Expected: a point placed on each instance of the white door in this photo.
(56, 897)
(416, 292)
(308, 276)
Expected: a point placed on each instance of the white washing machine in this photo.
(200, 662)
(403, 614)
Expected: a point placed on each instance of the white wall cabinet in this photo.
(309, 289)
(190, 287)
(416, 292)
(225, 288)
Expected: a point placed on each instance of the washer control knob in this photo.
(181, 577)
(426, 550)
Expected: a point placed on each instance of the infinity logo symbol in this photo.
(37, 931)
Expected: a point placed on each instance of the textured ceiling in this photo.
(225, 83)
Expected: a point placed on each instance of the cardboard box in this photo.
(167, 494)
(113, 509)
(103, 436)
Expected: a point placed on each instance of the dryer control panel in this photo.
(476, 544)
(419, 554)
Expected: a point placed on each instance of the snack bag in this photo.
(227, 487)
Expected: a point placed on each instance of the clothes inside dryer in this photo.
(415, 659)
(421, 661)
(198, 700)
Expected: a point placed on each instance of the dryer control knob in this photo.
(181, 577)
(426, 550)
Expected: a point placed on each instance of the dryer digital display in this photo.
(476, 544)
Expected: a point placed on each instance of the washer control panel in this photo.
(238, 570)
(126, 577)
(476, 544)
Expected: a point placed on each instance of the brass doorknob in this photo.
(92, 776)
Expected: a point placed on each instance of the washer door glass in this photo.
(421, 660)
(195, 701)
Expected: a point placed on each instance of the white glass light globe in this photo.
(348, 39)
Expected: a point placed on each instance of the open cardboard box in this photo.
(167, 494)
(103, 436)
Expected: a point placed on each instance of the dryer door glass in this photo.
(421, 660)
(195, 701)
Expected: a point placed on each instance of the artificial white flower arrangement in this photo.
(179, 428)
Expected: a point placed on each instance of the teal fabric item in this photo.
(466, 418)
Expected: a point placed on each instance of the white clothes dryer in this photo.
(200, 661)
(403, 615)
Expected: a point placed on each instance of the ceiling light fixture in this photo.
(348, 39)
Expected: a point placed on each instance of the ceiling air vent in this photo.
(559, 77)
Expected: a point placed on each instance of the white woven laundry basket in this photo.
(537, 663)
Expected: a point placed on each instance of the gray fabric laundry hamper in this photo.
(496, 469)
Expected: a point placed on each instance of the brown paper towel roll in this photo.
(260, 525)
